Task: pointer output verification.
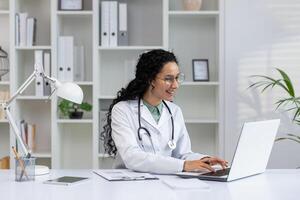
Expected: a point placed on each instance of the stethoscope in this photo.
(171, 143)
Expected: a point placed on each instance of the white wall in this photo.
(259, 36)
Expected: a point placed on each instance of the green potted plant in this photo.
(290, 103)
(73, 110)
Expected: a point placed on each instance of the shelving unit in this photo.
(5, 39)
(155, 24)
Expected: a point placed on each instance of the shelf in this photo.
(75, 121)
(42, 155)
(194, 13)
(33, 98)
(4, 12)
(3, 121)
(77, 12)
(84, 83)
(130, 48)
(201, 121)
(106, 97)
(33, 48)
(103, 155)
(191, 83)
(4, 82)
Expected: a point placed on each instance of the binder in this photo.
(23, 27)
(113, 24)
(122, 28)
(38, 64)
(79, 63)
(66, 58)
(69, 58)
(60, 60)
(47, 71)
(105, 5)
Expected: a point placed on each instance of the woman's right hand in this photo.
(203, 164)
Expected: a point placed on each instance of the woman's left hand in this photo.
(214, 161)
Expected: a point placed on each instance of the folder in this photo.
(122, 30)
(47, 71)
(38, 64)
(124, 175)
(105, 5)
(113, 24)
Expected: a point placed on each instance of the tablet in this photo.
(66, 180)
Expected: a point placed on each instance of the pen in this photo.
(21, 163)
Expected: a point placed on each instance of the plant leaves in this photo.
(288, 82)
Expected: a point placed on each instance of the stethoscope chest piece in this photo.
(172, 144)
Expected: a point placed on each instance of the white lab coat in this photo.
(131, 153)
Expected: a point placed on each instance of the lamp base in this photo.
(41, 170)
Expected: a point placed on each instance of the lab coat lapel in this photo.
(163, 117)
(145, 114)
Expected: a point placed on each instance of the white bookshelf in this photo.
(155, 24)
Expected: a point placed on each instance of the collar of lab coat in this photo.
(146, 114)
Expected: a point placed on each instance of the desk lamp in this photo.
(69, 91)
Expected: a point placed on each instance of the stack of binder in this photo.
(114, 31)
(70, 60)
(42, 62)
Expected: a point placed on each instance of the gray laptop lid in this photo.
(253, 149)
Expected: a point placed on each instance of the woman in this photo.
(146, 128)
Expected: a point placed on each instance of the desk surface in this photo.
(273, 184)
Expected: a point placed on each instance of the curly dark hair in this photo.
(148, 66)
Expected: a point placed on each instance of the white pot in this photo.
(192, 5)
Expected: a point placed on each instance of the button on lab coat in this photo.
(133, 156)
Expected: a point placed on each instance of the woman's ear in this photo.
(152, 84)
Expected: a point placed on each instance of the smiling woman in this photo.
(145, 129)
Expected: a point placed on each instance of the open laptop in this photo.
(251, 155)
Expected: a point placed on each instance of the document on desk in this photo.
(123, 175)
(177, 183)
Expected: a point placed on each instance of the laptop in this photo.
(251, 155)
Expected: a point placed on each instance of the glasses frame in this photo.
(174, 79)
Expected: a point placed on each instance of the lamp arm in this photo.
(16, 131)
(22, 88)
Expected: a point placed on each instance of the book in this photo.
(23, 28)
(31, 31)
(123, 175)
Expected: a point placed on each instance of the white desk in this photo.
(273, 185)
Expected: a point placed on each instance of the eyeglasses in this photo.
(170, 79)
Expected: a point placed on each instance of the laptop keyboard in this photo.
(221, 172)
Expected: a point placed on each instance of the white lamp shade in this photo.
(71, 92)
